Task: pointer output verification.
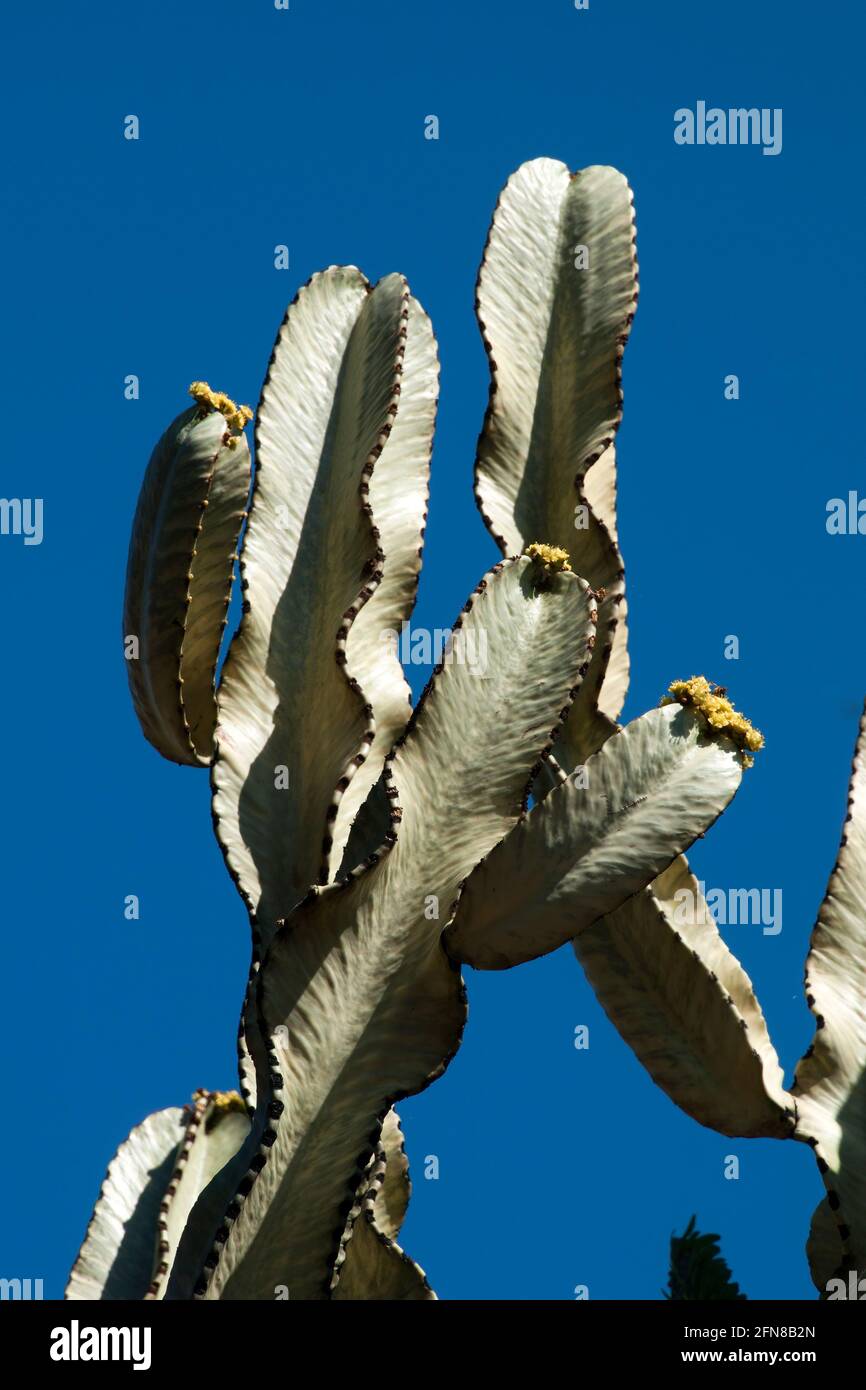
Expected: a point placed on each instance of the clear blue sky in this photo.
(155, 257)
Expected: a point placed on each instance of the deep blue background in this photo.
(305, 127)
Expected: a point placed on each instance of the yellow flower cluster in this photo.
(710, 701)
(222, 1103)
(236, 416)
(550, 556)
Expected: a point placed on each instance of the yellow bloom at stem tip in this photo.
(711, 703)
(550, 556)
(223, 1103)
(236, 416)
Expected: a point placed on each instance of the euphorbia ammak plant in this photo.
(378, 848)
